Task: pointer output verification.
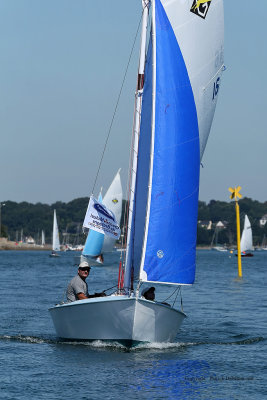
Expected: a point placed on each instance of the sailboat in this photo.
(246, 243)
(113, 201)
(218, 247)
(180, 68)
(263, 244)
(97, 243)
(43, 239)
(55, 243)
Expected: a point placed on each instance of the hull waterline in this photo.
(247, 255)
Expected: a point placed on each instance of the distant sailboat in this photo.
(43, 239)
(97, 243)
(264, 244)
(218, 247)
(55, 244)
(246, 244)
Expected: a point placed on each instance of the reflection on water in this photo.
(180, 379)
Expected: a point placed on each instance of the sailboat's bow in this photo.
(117, 318)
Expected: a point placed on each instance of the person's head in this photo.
(149, 293)
(84, 269)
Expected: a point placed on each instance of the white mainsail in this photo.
(113, 201)
(246, 242)
(55, 244)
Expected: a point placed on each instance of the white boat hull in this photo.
(220, 248)
(119, 318)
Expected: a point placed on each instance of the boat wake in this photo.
(176, 345)
(27, 339)
(114, 345)
(93, 344)
(163, 346)
(247, 341)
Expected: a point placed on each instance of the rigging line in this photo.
(175, 290)
(117, 103)
(112, 287)
(179, 291)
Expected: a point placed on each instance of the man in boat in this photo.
(78, 288)
(149, 293)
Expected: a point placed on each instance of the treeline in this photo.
(216, 211)
(26, 219)
(21, 220)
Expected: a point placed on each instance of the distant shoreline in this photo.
(9, 245)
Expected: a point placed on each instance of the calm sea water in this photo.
(220, 352)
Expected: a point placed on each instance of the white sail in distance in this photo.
(246, 238)
(43, 238)
(56, 244)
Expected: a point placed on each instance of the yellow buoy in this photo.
(235, 195)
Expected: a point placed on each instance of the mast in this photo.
(136, 129)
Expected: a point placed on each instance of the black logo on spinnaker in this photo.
(200, 7)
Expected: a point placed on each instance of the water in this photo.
(220, 352)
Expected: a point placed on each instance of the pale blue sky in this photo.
(62, 63)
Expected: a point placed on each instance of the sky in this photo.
(62, 64)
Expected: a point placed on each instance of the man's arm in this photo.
(81, 296)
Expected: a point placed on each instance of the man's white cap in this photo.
(84, 264)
